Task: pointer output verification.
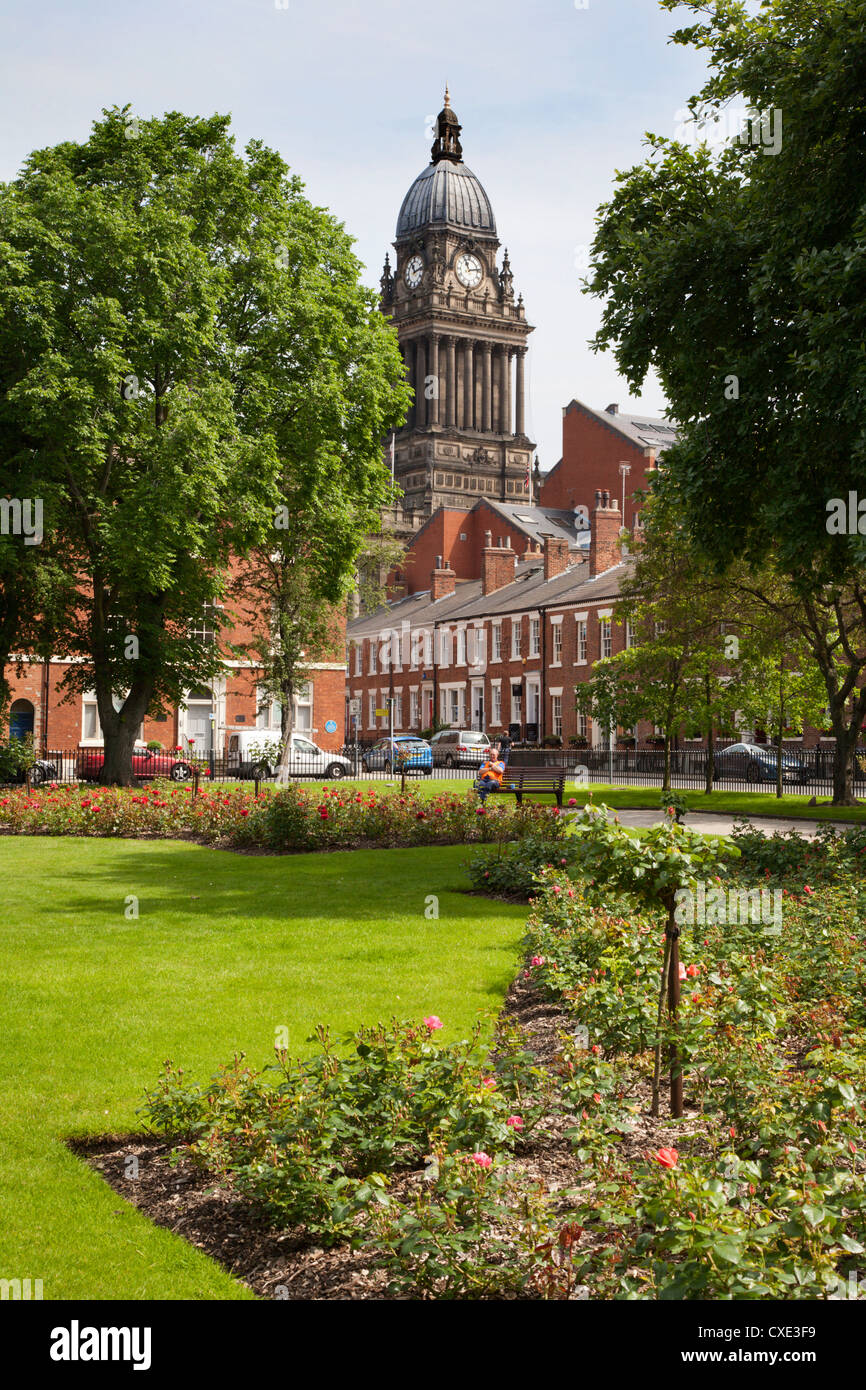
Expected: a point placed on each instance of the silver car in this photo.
(459, 748)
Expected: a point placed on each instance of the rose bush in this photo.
(291, 818)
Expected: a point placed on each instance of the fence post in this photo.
(256, 783)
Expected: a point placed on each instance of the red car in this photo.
(145, 764)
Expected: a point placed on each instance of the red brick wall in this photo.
(591, 454)
(65, 716)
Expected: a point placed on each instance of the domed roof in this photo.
(446, 194)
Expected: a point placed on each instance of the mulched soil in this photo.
(289, 1264)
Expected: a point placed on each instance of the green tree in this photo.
(185, 349)
(740, 278)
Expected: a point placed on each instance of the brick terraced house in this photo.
(500, 652)
(205, 720)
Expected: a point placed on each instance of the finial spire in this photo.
(447, 142)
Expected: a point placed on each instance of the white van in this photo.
(255, 750)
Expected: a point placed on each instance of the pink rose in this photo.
(514, 1121)
(482, 1159)
(432, 1023)
(668, 1158)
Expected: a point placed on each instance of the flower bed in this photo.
(426, 1157)
(290, 818)
(758, 1192)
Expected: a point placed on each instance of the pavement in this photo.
(719, 824)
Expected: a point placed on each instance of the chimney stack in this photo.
(497, 567)
(606, 524)
(555, 556)
(443, 580)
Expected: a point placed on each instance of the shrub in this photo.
(512, 871)
(313, 1142)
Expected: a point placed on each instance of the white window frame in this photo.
(496, 703)
(556, 713)
(496, 629)
(556, 633)
(580, 639)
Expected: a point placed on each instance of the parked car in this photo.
(252, 753)
(755, 762)
(389, 755)
(146, 763)
(41, 771)
(459, 748)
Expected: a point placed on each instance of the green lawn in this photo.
(790, 806)
(226, 949)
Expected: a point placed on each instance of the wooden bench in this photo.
(531, 780)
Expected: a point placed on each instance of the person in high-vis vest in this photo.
(490, 776)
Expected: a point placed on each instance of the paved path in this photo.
(720, 824)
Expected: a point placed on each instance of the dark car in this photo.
(145, 764)
(756, 762)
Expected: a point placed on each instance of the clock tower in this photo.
(463, 340)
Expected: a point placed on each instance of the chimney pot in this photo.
(443, 580)
(497, 568)
(604, 551)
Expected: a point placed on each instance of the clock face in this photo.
(413, 272)
(469, 270)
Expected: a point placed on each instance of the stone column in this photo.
(433, 403)
(468, 386)
(408, 352)
(420, 373)
(506, 358)
(450, 383)
(502, 358)
(519, 424)
(486, 390)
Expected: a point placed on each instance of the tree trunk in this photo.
(711, 747)
(843, 756)
(666, 783)
(780, 726)
(120, 731)
(843, 767)
(286, 727)
(673, 932)
(657, 1060)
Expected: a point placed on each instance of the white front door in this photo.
(199, 726)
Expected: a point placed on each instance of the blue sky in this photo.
(552, 99)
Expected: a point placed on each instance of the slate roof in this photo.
(528, 591)
(643, 430)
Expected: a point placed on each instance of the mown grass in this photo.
(789, 806)
(226, 949)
